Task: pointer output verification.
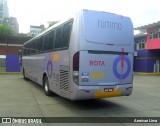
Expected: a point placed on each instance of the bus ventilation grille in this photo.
(64, 80)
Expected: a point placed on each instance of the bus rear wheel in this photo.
(46, 86)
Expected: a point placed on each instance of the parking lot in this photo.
(20, 98)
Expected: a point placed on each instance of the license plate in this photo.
(108, 90)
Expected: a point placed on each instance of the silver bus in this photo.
(87, 56)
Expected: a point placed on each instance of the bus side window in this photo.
(51, 40)
(40, 44)
(58, 38)
(31, 47)
(48, 41)
(26, 49)
(34, 46)
(66, 34)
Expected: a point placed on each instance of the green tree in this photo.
(6, 30)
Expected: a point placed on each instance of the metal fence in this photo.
(2, 63)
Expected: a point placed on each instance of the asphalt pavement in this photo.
(20, 98)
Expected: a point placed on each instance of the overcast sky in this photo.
(36, 12)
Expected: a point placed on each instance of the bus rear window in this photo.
(107, 28)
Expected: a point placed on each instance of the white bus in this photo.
(85, 57)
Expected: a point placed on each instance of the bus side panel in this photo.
(34, 67)
(64, 72)
(57, 68)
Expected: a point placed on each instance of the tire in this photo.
(46, 86)
(24, 75)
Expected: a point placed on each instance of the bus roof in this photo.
(67, 19)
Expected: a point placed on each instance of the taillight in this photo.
(76, 68)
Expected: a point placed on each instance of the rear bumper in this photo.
(93, 92)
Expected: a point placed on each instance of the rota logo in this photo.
(96, 63)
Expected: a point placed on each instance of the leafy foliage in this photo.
(6, 30)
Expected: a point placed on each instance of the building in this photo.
(3, 10)
(5, 19)
(147, 45)
(12, 22)
(11, 44)
(34, 30)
